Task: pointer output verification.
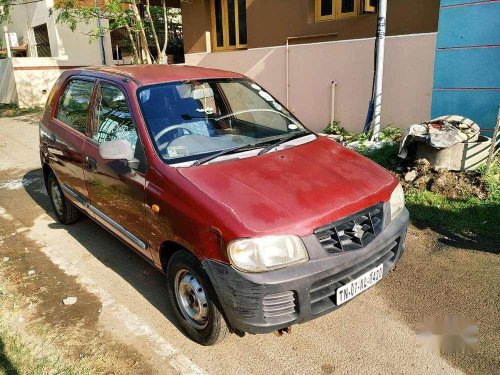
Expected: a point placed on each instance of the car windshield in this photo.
(189, 121)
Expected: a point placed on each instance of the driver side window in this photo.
(112, 119)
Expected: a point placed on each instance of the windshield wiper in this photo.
(283, 140)
(225, 152)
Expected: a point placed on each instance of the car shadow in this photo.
(109, 250)
(5, 363)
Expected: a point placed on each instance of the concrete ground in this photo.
(123, 304)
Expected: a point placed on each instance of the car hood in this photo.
(294, 190)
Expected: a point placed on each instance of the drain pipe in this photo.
(101, 37)
(288, 39)
(332, 108)
(379, 67)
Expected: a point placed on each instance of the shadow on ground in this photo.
(486, 238)
(109, 250)
(5, 363)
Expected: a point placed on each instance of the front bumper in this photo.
(265, 302)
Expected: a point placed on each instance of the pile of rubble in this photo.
(454, 185)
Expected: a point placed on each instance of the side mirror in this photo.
(119, 149)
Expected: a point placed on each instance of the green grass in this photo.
(468, 216)
(23, 352)
(18, 358)
(12, 110)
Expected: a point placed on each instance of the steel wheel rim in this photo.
(55, 194)
(192, 299)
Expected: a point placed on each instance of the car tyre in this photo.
(65, 211)
(194, 300)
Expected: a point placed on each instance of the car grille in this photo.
(352, 232)
(278, 304)
(322, 293)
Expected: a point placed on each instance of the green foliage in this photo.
(5, 9)
(389, 133)
(73, 12)
(386, 156)
(12, 110)
(336, 129)
(136, 23)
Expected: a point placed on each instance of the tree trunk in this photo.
(132, 42)
(145, 54)
(162, 56)
(153, 30)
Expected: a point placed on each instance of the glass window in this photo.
(347, 6)
(242, 25)
(229, 24)
(336, 9)
(112, 118)
(326, 7)
(189, 121)
(74, 104)
(219, 29)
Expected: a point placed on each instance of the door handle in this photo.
(91, 164)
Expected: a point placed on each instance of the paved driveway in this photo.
(122, 297)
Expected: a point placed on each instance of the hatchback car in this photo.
(257, 222)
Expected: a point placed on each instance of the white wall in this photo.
(73, 46)
(408, 79)
(8, 92)
(28, 80)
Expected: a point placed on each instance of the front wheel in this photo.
(194, 300)
(65, 212)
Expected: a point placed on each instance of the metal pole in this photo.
(7, 41)
(379, 66)
(332, 108)
(493, 141)
(287, 72)
(101, 37)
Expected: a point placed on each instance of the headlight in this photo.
(397, 201)
(266, 253)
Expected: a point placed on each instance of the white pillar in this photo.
(7, 41)
(379, 67)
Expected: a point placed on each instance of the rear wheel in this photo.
(65, 211)
(193, 299)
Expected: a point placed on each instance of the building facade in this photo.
(298, 48)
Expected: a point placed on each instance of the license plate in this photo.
(363, 282)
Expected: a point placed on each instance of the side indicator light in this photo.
(155, 208)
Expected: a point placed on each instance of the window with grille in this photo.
(42, 40)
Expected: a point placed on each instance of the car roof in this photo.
(150, 74)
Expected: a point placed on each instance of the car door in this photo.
(67, 131)
(116, 190)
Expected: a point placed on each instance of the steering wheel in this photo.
(169, 129)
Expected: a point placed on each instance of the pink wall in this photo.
(409, 69)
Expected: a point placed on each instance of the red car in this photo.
(257, 222)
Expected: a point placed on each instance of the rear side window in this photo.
(74, 104)
(112, 119)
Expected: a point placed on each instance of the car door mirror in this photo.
(119, 149)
